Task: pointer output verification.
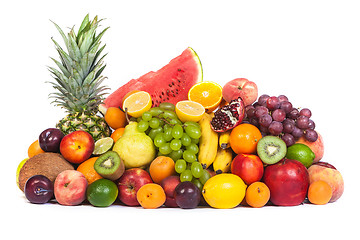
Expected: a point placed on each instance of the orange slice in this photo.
(189, 111)
(137, 103)
(208, 94)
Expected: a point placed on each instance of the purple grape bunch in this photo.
(276, 116)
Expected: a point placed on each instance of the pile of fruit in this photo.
(170, 139)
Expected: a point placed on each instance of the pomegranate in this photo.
(228, 116)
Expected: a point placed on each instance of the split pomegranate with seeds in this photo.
(228, 116)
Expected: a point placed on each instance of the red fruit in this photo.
(240, 87)
(228, 116)
(169, 184)
(288, 181)
(248, 167)
(130, 182)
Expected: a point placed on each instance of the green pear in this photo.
(135, 148)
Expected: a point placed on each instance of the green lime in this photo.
(103, 145)
(102, 193)
(302, 153)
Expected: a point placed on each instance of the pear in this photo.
(135, 148)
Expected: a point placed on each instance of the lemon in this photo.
(137, 103)
(189, 111)
(225, 190)
(103, 145)
(21, 164)
(302, 153)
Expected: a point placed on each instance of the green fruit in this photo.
(103, 145)
(301, 153)
(271, 149)
(102, 193)
(110, 165)
(135, 148)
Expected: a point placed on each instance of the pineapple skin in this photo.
(89, 122)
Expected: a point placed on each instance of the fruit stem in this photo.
(126, 115)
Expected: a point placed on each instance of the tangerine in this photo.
(151, 196)
(161, 167)
(319, 192)
(117, 134)
(115, 118)
(34, 149)
(87, 168)
(257, 194)
(244, 138)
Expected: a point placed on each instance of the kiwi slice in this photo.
(271, 149)
(109, 165)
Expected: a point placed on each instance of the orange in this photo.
(87, 168)
(151, 196)
(137, 103)
(34, 149)
(117, 134)
(319, 192)
(161, 167)
(189, 111)
(244, 138)
(257, 194)
(208, 94)
(115, 118)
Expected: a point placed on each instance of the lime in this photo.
(102, 193)
(103, 145)
(302, 153)
(224, 190)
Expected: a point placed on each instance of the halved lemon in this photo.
(189, 111)
(208, 94)
(137, 103)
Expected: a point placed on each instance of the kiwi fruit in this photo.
(271, 149)
(47, 164)
(109, 165)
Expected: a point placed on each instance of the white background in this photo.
(307, 50)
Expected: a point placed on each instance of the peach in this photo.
(70, 188)
(76, 147)
(317, 147)
(326, 172)
(169, 184)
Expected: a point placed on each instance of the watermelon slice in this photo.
(169, 84)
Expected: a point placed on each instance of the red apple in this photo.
(169, 184)
(130, 182)
(288, 181)
(77, 146)
(240, 87)
(70, 188)
(248, 167)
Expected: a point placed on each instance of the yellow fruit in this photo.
(18, 171)
(137, 103)
(189, 111)
(225, 190)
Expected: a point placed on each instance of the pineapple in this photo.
(78, 83)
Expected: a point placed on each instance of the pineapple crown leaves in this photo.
(79, 80)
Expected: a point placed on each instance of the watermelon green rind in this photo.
(171, 83)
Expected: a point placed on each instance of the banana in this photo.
(208, 144)
(223, 160)
(224, 140)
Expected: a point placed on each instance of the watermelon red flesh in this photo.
(169, 84)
